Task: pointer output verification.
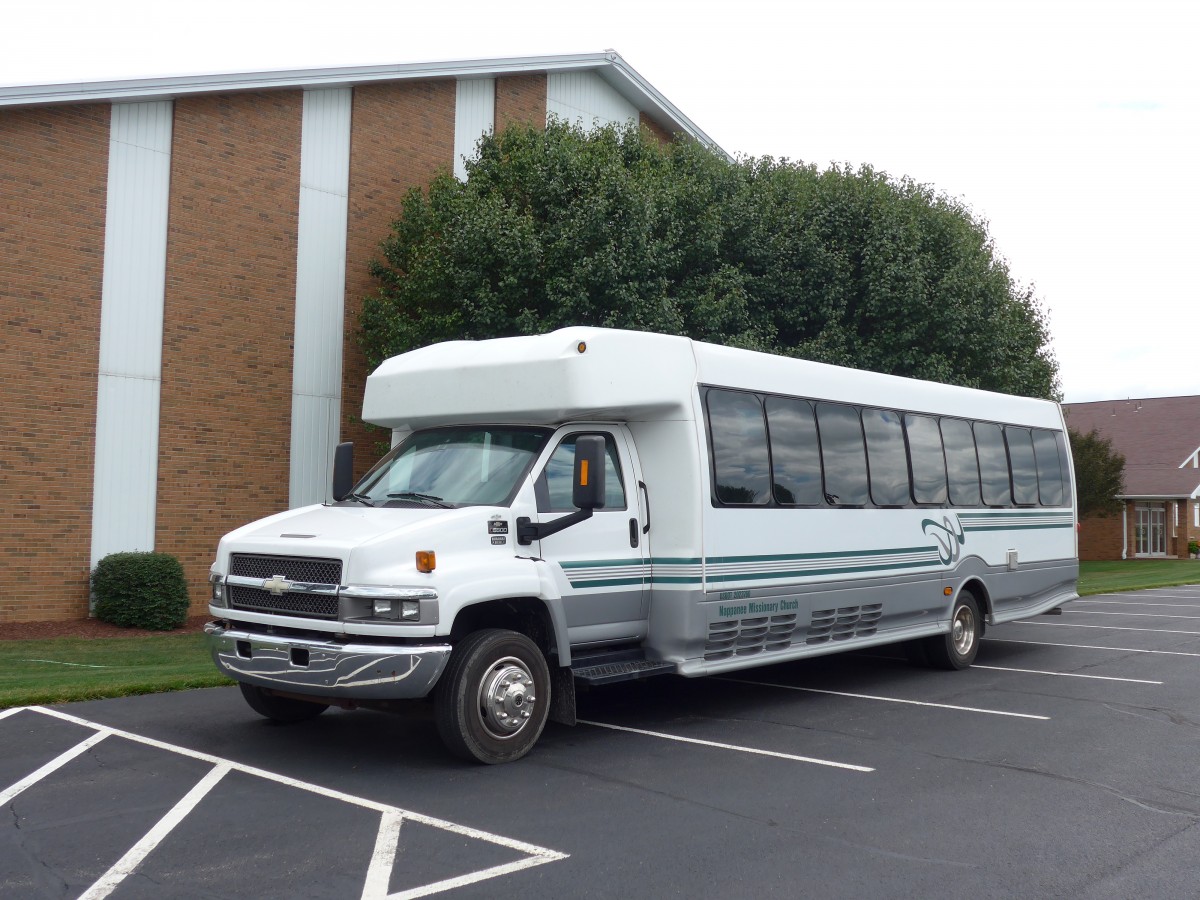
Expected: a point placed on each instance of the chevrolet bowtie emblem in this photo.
(277, 585)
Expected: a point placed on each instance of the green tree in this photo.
(1099, 473)
(562, 227)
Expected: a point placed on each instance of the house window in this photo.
(1196, 515)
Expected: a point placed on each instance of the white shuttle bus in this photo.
(595, 505)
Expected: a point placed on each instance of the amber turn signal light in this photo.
(426, 561)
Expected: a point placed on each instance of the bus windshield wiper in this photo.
(424, 498)
(361, 498)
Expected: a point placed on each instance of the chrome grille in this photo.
(293, 568)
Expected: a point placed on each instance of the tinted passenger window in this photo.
(739, 444)
(885, 456)
(1050, 476)
(795, 453)
(842, 454)
(554, 488)
(928, 463)
(1024, 468)
(962, 465)
(1064, 465)
(993, 465)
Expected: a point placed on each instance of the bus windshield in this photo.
(450, 467)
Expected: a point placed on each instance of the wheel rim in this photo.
(963, 631)
(507, 698)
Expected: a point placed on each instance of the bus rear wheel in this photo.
(957, 648)
(492, 702)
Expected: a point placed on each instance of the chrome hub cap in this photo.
(963, 631)
(506, 697)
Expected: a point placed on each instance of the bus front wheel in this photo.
(492, 702)
(957, 648)
(284, 710)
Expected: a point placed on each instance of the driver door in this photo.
(605, 559)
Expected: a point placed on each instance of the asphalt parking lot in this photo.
(1065, 763)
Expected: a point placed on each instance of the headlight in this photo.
(217, 583)
(400, 604)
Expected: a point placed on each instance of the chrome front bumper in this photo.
(327, 668)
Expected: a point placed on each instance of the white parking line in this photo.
(754, 750)
(379, 872)
(1110, 627)
(128, 863)
(1065, 674)
(1104, 612)
(990, 712)
(1092, 647)
(1138, 595)
(57, 763)
(1135, 603)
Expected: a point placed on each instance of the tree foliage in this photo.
(560, 227)
(1099, 473)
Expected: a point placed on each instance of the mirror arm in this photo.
(528, 532)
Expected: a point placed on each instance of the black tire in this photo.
(283, 710)
(492, 701)
(957, 648)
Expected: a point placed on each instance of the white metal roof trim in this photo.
(610, 65)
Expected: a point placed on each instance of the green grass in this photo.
(1136, 574)
(67, 669)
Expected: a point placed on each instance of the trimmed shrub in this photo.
(141, 590)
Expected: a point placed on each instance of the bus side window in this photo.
(993, 465)
(888, 466)
(962, 462)
(738, 433)
(795, 452)
(1064, 466)
(843, 454)
(927, 460)
(1049, 470)
(1024, 468)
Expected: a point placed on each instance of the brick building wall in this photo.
(53, 178)
(224, 414)
(402, 135)
(1100, 538)
(654, 128)
(520, 98)
(228, 321)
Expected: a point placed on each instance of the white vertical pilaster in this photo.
(474, 116)
(320, 292)
(586, 98)
(124, 485)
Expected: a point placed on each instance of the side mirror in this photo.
(343, 471)
(587, 489)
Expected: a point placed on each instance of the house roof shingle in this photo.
(1158, 437)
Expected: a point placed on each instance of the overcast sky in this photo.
(1072, 127)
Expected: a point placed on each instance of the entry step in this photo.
(609, 672)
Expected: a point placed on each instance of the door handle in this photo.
(633, 532)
